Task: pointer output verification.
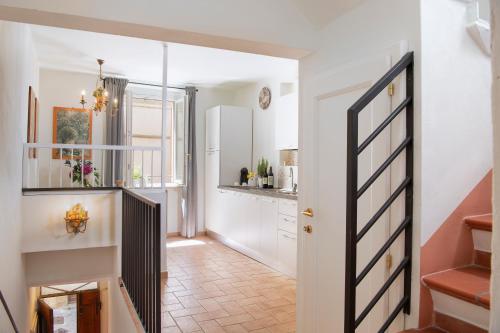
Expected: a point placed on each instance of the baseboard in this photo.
(178, 234)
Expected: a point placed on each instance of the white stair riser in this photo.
(465, 311)
(482, 240)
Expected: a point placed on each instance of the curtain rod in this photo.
(156, 85)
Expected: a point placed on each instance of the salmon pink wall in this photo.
(451, 245)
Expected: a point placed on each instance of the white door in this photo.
(321, 258)
(180, 143)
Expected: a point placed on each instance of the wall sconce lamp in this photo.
(76, 219)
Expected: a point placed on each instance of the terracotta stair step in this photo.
(425, 330)
(480, 222)
(470, 283)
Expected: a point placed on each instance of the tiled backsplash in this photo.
(289, 158)
(288, 161)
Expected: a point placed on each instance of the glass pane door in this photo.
(181, 119)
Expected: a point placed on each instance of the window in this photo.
(144, 130)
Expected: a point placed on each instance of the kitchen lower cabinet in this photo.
(268, 228)
(239, 218)
(251, 214)
(287, 252)
(257, 226)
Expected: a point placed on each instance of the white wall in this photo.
(372, 28)
(44, 228)
(63, 89)
(456, 112)
(18, 70)
(205, 99)
(69, 266)
(495, 263)
(83, 265)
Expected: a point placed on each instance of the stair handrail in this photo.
(9, 314)
(353, 193)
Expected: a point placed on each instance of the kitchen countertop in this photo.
(270, 192)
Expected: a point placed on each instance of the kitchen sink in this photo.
(286, 191)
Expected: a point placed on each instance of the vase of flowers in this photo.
(251, 179)
(85, 175)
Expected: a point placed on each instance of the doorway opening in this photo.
(69, 308)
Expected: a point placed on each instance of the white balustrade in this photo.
(88, 166)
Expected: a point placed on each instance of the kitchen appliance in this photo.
(228, 139)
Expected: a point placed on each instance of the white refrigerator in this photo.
(228, 148)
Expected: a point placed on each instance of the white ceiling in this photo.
(141, 60)
(320, 12)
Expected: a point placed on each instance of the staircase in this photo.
(461, 295)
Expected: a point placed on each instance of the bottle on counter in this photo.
(265, 180)
(270, 178)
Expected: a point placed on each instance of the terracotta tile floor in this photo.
(212, 288)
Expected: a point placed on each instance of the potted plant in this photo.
(86, 176)
(136, 177)
(261, 171)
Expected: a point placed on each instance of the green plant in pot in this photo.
(262, 170)
(136, 177)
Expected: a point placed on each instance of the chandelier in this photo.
(100, 94)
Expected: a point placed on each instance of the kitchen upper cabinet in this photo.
(287, 122)
(268, 227)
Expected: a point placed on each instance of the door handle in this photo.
(308, 212)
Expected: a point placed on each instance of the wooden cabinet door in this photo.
(89, 312)
(46, 315)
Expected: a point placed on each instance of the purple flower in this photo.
(87, 169)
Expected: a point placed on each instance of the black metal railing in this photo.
(9, 314)
(141, 272)
(352, 280)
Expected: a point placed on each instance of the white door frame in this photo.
(310, 92)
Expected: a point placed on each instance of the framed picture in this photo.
(32, 135)
(71, 126)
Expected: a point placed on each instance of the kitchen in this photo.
(251, 203)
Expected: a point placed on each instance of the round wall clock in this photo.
(264, 98)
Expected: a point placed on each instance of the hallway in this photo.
(212, 288)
